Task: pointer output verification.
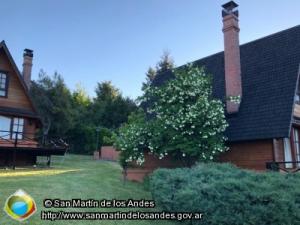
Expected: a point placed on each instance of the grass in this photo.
(73, 177)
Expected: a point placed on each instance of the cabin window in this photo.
(3, 84)
(5, 125)
(287, 153)
(17, 128)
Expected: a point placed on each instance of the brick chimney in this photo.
(233, 83)
(27, 66)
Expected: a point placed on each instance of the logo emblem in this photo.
(20, 206)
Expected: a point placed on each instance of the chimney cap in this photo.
(229, 6)
(28, 52)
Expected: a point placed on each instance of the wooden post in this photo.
(14, 152)
(48, 160)
(14, 159)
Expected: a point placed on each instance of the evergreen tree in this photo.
(166, 63)
(53, 100)
(110, 109)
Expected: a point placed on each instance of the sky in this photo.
(90, 41)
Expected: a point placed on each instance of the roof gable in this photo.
(270, 69)
(15, 77)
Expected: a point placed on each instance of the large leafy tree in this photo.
(188, 122)
(110, 109)
(54, 102)
(75, 116)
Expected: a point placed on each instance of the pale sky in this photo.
(89, 41)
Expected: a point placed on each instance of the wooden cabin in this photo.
(264, 126)
(19, 120)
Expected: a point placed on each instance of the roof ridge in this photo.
(271, 35)
(244, 44)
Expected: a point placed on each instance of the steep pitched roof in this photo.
(22, 82)
(270, 71)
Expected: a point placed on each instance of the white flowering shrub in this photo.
(235, 99)
(187, 122)
(132, 139)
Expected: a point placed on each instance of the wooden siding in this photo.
(278, 150)
(17, 98)
(249, 154)
(29, 132)
(30, 128)
(16, 94)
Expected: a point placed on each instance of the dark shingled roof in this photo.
(270, 68)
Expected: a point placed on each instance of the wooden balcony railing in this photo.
(282, 166)
(29, 140)
(20, 141)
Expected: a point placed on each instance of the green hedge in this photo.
(228, 195)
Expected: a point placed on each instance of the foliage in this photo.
(235, 99)
(53, 101)
(109, 108)
(106, 136)
(106, 91)
(80, 97)
(186, 121)
(166, 63)
(132, 139)
(228, 195)
(82, 139)
(75, 116)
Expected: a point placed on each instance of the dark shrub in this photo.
(228, 195)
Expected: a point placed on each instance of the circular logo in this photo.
(20, 206)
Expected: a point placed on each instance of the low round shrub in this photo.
(228, 195)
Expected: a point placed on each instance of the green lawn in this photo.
(72, 177)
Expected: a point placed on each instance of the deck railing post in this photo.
(14, 159)
(48, 160)
(16, 138)
(14, 151)
(44, 140)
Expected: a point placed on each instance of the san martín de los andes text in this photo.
(94, 203)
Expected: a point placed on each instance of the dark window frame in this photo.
(12, 132)
(6, 84)
(10, 126)
(294, 152)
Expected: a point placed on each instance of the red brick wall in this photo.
(109, 153)
(153, 162)
(250, 154)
